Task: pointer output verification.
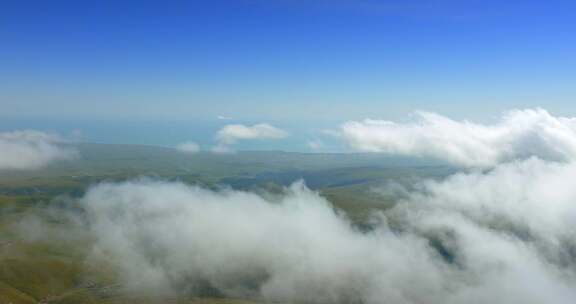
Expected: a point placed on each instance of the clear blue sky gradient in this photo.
(290, 62)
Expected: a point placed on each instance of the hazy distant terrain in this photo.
(337, 175)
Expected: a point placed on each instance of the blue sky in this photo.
(299, 64)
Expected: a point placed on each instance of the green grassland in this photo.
(338, 175)
(35, 270)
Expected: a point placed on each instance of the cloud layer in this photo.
(29, 149)
(519, 134)
(505, 236)
(180, 239)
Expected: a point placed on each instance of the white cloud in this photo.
(534, 195)
(29, 149)
(230, 134)
(188, 147)
(171, 237)
(512, 225)
(499, 237)
(519, 134)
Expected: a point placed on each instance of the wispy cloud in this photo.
(188, 147)
(30, 149)
(315, 144)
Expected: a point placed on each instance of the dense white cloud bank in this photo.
(518, 135)
(29, 149)
(505, 236)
